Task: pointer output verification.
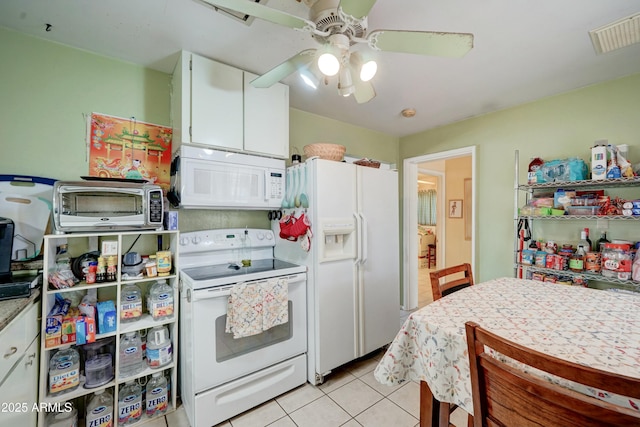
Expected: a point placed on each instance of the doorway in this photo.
(411, 167)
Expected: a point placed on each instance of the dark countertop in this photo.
(10, 308)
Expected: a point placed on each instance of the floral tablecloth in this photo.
(592, 327)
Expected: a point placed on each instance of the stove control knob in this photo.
(196, 239)
(260, 235)
(184, 241)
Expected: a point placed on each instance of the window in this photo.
(427, 207)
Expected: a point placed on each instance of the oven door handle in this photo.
(225, 291)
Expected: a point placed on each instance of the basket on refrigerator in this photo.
(325, 150)
(368, 163)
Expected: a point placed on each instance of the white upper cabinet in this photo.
(266, 118)
(214, 104)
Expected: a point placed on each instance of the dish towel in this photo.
(255, 307)
(275, 303)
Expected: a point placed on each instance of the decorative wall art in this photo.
(129, 149)
(455, 208)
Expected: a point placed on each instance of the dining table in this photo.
(592, 327)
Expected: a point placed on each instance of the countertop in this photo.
(10, 308)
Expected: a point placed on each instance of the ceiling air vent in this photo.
(245, 19)
(616, 35)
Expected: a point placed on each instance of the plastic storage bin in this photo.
(98, 371)
(583, 210)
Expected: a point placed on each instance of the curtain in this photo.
(427, 207)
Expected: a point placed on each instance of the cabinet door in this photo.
(216, 104)
(180, 100)
(266, 118)
(19, 390)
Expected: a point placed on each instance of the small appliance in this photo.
(97, 205)
(11, 287)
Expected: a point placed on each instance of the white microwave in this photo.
(206, 178)
(86, 206)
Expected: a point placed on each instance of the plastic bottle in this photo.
(157, 396)
(64, 371)
(129, 403)
(130, 354)
(160, 302)
(159, 351)
(584, 242)
(130, 303)
(245, 250)
(100, 410)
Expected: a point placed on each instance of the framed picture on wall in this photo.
(455, 208)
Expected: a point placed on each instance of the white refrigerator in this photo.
(353, 289)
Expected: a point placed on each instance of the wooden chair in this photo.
(504, 396)
(452, 285)
(443, 289)
(431, 255)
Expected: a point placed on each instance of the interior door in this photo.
(378, 271)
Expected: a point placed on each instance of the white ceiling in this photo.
(523, 50)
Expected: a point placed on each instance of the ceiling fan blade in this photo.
(364, 91)
(283, 70)
(356, 8)
(452, 45)
(262, 12)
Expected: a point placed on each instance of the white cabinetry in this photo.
(19, 369)
(213, 104)
(144, 243)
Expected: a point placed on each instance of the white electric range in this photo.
(222, 376)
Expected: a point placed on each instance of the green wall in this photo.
(556, 127)
(47, 89)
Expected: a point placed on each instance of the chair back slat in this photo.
(443, 285)
(505, 396)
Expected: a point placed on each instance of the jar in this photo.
(576, 262)
(616, 261)
(592, 262)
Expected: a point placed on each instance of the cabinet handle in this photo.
(11, 352)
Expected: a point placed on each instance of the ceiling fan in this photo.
(338, 25)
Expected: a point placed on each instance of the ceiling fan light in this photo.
(368, 70)
(328, 64)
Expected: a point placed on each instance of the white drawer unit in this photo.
(19, 369)
(16, 337)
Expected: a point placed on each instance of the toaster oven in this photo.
(85, 206)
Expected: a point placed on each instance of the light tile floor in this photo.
(349, 397)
